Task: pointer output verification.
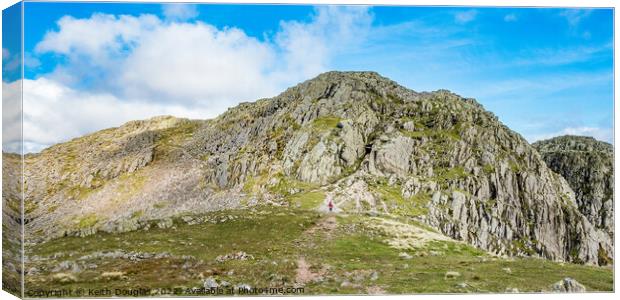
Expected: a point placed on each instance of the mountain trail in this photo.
(326, 226)
(304, 274)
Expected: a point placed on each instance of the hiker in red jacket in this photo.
(330, 205)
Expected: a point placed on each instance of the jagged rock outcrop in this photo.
(588, 166)
(359, 138)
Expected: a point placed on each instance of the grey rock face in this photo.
(320, 164)
(377, 147)
(587, 165)
(393, 157)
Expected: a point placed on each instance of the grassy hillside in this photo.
(286, 247)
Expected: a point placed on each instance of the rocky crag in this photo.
(11, 225)
(372, 146)
(587, 165)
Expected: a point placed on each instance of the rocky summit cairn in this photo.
(368, 144)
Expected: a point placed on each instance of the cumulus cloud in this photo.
(180, 12)
(11, 116)
(99, 41)
(54, 112)
(197, 63)
(465, 16)
(121, 68)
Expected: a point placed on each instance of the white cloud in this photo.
(31, 61)
(510, 18)
(99, 38)
(601, 134)
(11, 116)
(197, 63)
(465, 16)
(563, 56)
(180, 12)
(54, 113)
(10, 61)
(308, 47)
(575, 16)
(539, 86)
(122, 68)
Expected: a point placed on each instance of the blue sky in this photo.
(542, 71)
(11, 40)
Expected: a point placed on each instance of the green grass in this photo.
(286, 184)
(417, 134)
(170, 138)
(137, 214)
(325, 123)
(415, 205)
(267, 235)
(130, 184)
(79, 192)
(445, 175)
(424, 273)
(450, 135)
(389, 192)
(488, 169)
(234, 233)
(277, 237)
(254, 183)
(87, 221)
(160, 205)
(515, 167)
(30, 206)
(307, 200)
(419, 204)
(11, 249)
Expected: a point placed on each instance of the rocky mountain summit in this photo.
(369, 144)
(587, 165)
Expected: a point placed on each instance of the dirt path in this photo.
(304, 274)
(324, 226)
